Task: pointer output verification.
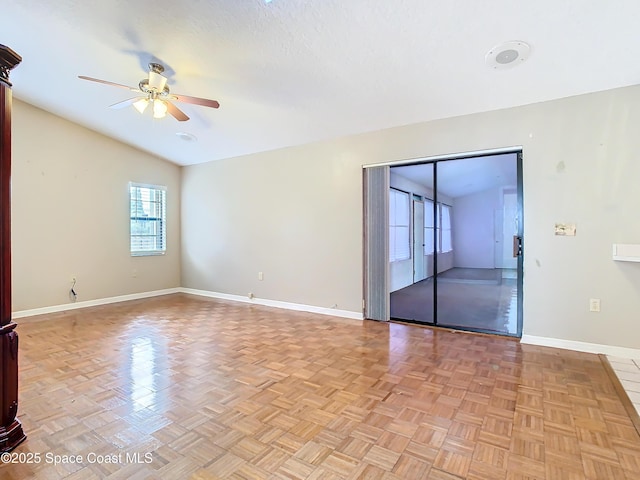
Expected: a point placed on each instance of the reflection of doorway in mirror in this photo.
(509, 229)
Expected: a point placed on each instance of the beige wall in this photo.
(296, 214)
(293, 214)
(70, 213)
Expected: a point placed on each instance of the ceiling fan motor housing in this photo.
(146, 87)
(156, 67)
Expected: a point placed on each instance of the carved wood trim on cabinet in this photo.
(11, 433)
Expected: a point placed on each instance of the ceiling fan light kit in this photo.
(141, 105)
(155, 91)
(159, 109)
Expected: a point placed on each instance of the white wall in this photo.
(473, 229)
(70, 213)
(296, 214)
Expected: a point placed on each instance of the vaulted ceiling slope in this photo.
(290, 72)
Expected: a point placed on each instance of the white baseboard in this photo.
(203, 293)
(622, 352)
(276, 303)
(92, 303)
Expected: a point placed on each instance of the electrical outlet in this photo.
(594, 304)
(260, 276)
(73, 279)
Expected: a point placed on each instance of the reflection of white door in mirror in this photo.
(498, 237)
(419, 259)
(510, 228)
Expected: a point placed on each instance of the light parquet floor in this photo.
(205, 389)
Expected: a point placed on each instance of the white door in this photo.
(498, 236)
(510, 229)
(419, 270)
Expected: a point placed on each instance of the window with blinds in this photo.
(445, 223)
(148, 232)
(399, 233)
(443, 236)
(429, 225)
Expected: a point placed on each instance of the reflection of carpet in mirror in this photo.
(480, 276)
(485, 301)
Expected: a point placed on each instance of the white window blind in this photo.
(399, 233)
(445, 224)
(148, 230)
(444, 241)
(429, 225)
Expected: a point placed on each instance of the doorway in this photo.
(465, 270)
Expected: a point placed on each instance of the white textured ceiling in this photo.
(291, 72)
(457, 178)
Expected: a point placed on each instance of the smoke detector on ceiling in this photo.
(507, 54)
(187, 137)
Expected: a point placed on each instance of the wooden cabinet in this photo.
(11, 433)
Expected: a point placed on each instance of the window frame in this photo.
(159, 193)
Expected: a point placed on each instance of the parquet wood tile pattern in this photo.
(180, 387)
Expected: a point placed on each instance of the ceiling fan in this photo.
(154, 91)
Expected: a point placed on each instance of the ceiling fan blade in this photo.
(176, 112)
(108, 83)
(195, 100)
(125, 103)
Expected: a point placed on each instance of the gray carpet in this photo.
(485, 304)
(485, 276)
